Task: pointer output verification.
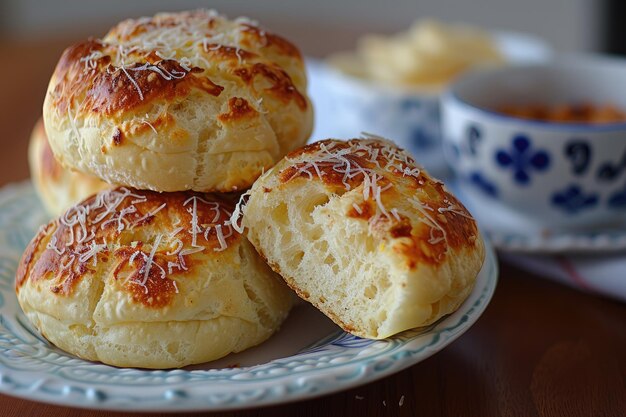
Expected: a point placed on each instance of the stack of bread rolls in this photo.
(168, 249)
(189, 106)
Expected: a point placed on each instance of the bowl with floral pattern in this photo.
(561, 172)
(347, 104)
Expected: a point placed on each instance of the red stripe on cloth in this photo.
(573, 274)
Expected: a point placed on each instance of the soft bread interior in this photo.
(373, 275)
(334, 262)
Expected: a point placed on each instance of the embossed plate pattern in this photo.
(286, 368)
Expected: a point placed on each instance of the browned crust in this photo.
(238, 109)
(280, 84)
(131, 28)
(271, 40)
(97, 86)
(107, 90)
(227, 53)
(113, 92)
(158, 290)
(414, 240)
(366, 209)
(26, 262)
(118, 136)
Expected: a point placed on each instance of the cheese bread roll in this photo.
(364, 234)
(178, 101)
(142, 279)
(57, 187)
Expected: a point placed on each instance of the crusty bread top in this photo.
(178, 101)
(143, 60)
(152, 238)
(400, 201)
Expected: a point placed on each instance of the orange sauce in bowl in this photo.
(567, 113)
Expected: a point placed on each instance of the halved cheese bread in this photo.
(362, 232)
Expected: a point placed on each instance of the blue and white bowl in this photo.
(346, 106)
(562, 175)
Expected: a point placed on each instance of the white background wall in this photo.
(569, 25)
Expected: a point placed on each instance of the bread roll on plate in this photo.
(178, 101)
(57, 187)
(364, 234)
(141, 279)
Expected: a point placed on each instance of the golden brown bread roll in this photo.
(178, 101)
(142, 279)
(57, 187)
(365, 235)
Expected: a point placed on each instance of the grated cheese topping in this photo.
(188, 38)
(382, 156)
(374, 164)
(78, 242)
(237, 216)
(454, 208)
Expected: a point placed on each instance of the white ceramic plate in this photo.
(511, 232)
(309, 357)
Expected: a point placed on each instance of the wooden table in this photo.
(540, 349)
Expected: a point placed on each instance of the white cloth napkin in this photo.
(602, 274)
